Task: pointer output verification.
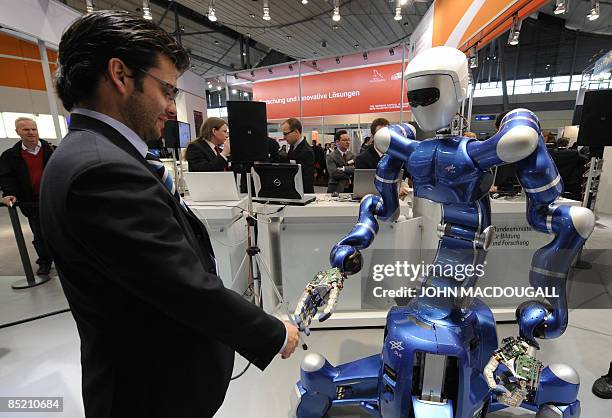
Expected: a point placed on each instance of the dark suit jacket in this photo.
(15, 177)
(200, 157)
(367, 159)
(304, 155)
(158, 329)
(339, 180)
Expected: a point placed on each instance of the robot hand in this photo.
(323, 289)
(523, 376)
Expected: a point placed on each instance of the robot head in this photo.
(437, 81)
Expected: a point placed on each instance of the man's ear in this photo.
(118, 74)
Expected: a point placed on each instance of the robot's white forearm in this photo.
(489, 370)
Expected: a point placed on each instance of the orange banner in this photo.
(371, 89)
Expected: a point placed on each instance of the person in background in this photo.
(320, 165)
(273, 150)
(21, 170)
(300, 151)
(470, 135)
(211, 151)
(562, 143)
(340, 164)
(369, 157)
(159, 331)
(367, 141)
(602, 387)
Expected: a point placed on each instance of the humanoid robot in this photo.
(440, 356)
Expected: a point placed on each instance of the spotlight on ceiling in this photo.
(219, 88)
(89, 5)
(211, 12)
(365, 55)
(398, 13)
(252, 73)
(270, 70)
(234, 91)
(336, 15)
(561, 7)
(391, 51)
(146, 10)
(337, 60)
(304, 1)
(473, 60)
(314, 64)
(515, 32)
(594, 12)
(290, 67)
(209, 85)
(266, 10)
(403, 2)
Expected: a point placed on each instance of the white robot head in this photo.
(437, 82)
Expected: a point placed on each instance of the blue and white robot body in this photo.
(440, 356)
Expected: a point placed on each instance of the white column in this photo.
(50, 92)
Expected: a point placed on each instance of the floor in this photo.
(40, 357)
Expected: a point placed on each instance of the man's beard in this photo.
(141, 118)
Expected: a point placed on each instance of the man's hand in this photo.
(226, 148)
(293, 339)
(9, 200)
(404, 190)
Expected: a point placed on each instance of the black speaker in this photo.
(596, 119)
(248, 126)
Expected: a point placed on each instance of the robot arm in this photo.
(398, 141)
(519, 140)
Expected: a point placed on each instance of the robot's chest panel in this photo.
(443, 171)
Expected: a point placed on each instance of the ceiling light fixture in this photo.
(314, 64)
(90, 6)
(594, 13)
(219, 88)
(515, 31)
(398, 13)
(270, 70)
(234, 91)
(146, 10)
(336, 15)
(266, 10)
(365, 55)
(211, 11)
(209, 85)
(304, 1)
(474, 58)
(337, 60)
(403, 2)
(391, 51)
(290, 67)
(561, 7)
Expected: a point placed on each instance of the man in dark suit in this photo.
(369, 156)
(158, 329)
(300, 152)
(340, 164)
(21, 170)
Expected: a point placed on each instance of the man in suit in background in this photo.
(300, 152)
(340, 164)
(369, 156)
(158, 329)
(21, 170)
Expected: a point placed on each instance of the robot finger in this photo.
(331, 304)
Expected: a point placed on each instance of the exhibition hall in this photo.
(306, 209)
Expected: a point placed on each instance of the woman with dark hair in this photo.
(211, 151)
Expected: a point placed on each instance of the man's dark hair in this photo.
(294, 124)
(92, 40)
(499, 118)
(338, 134)
(376, 123)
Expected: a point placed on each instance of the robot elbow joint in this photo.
(517, 144)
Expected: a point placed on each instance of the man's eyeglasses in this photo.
(287, 133)
(170, 91)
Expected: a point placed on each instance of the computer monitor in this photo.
(248, 127)
(596, 119)
(184, 134)
(177, 134)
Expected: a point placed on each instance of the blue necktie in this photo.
(159, 169)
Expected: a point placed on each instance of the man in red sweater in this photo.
(21, 169)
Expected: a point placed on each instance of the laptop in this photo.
(279, 184)
(363, 183)
(212, 186)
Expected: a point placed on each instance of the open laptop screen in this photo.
(278, 181)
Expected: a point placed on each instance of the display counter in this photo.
(295, 243)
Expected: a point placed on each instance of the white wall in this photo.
(604, 198)
(42, 19)
(191, 98)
